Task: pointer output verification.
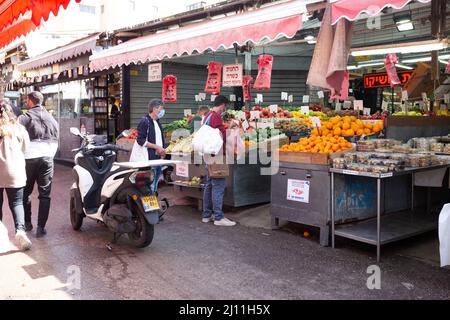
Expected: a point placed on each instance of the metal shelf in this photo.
(374, 175)
(395, 227)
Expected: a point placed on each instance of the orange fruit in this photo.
(360, 132)
(368, 126)
(367, 131)
(337, 131)
(346, 126)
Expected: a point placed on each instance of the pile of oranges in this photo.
(346, 127)
(317, 144)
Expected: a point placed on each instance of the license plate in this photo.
(150, 203)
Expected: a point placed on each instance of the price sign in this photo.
(316, 122)
(182, 170)
(320, 94)
(254, 115)
(259, 98)
(338, 106)
(245, 125)
(305, 99)
(424, 96)
(404, 95)
(155, 72)
(298, 190)
(213, 97)
(241, 115)
(384, 105)
(291, 98)
(232, 75)
(447, 98)
(284, 96)
(202, 96)
(232, 98)
(367, 111)
(358, 105)
(273, 108)
(187, 112)
(304, 110)
(197, 98)
(347, 104)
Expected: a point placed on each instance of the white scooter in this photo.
(118, 194)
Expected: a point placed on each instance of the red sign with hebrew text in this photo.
(381, 80)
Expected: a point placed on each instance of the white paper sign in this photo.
(259, 98)
(320, 94)
(232, 75)
(197, 98)
(264, 125)
(245, 125)
(338, 106)
(241, 116)
(316, 122)
(367, 111)
(384, 105)
(254, 115)
(202, 96)
(424, 96)
(155, 72)
(213, 97)
(447, 98)
(358, 105)
(305, 99)
(304, 110)
(232, 98)
(291, 98)
(404, 95)
(347, 104)
(273, 108)
(284, 96)
(182, 170)
(298, 190)
(187, 112)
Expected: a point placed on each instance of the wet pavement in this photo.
(191, 260)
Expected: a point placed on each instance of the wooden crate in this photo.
(308, 157)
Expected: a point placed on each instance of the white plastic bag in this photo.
(207, 141)
(4, 239)
(138, 153)
(444, 235)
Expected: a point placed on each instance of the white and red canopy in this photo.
(352, 9)
(270, 23)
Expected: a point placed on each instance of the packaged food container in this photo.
(384, 153)
(398, 157)
(380, 143)
(379, 169)
(340, 163)
(440, 160)
(437, 147)
(365, 145)
(350, 157)
(402, 148)
(363, 157)
(394, 165)
(446, 148)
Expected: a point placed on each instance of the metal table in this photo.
(396, 226)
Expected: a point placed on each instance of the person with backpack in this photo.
(14, 141)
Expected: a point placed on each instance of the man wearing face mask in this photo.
(215, 187)
(151, 135)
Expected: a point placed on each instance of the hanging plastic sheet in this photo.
(389, 63)
(169, 93)
(247, 88)
(214, 80)
(264, 78)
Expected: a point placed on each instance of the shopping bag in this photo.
(444, 235)
(207, 141)
(138, 153)
(4, 239)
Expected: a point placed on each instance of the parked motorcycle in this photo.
(116, 194)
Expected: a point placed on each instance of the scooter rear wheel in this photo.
(143, 236)
(76, 219)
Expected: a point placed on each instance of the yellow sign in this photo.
(363, 58)
(134, 72)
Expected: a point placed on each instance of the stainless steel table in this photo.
(396, 226)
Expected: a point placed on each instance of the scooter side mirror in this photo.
(75, 131)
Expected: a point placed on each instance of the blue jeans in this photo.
(157, 171)
(15, 199)
(213, 197)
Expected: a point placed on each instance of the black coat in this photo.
(146, 132)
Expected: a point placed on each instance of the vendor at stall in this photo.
(197, 119)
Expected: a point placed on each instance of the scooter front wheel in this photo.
(76, 219)
(143, 236)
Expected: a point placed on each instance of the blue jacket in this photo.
(146, 132)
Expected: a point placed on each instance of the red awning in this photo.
(270, 23)
(351, 9)
(12, 12)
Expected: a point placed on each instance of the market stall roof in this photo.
(351, 9)
(72, 50)
(269, 23)
(19, 17)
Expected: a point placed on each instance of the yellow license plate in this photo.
(150, 203)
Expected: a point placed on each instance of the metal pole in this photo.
(332, 210)
(378, 219)
(412, 191)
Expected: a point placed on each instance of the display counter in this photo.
(406, 127)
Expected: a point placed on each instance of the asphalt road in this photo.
(191, 260)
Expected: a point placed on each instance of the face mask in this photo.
(161, 114)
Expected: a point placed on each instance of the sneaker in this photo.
(207, 220)
(24, 242)
(40, 232)
(28, 226)
(225, 223)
